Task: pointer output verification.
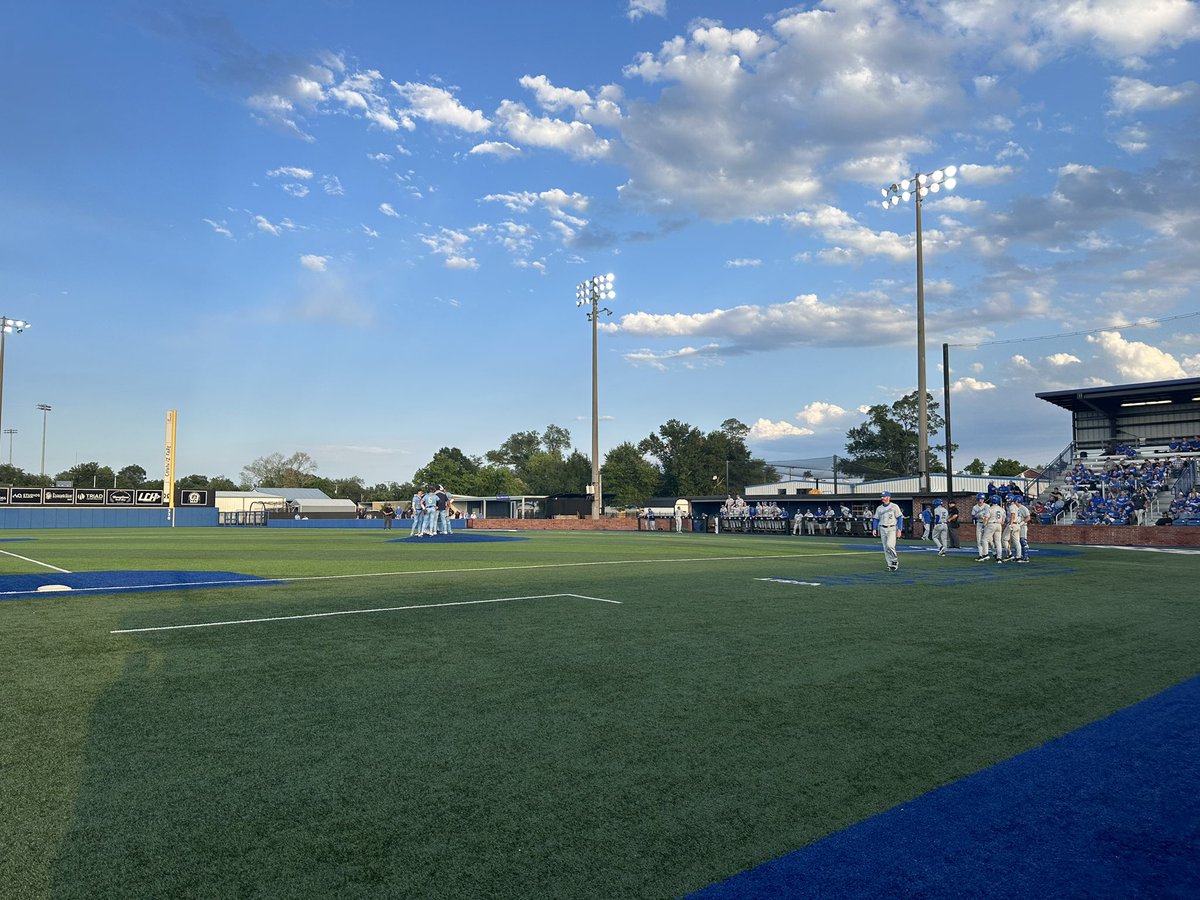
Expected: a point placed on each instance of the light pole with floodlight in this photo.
(10, 432)
(7, 326)
(591, 292)
(45, 408)
(916, 189)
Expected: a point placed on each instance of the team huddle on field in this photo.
(1001, 528)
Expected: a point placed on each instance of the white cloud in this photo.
(435, 104)
(974, 174)
(690, 356)
(1135, 361)
(262, 223)
(639, 8)
(220, 228)
(820, 413)
(766, 430)
(1062, 359)
(296, 190)
(314, 263)
(388, 210)
(742, 263)
(332, 185)
(576, 138)
(453, 246)
(1134, 95)
(370, 232)
(291, 172)
(865, 320)
(554, 99)
(967, 383)
(501, 149)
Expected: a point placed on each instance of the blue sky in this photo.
(355, 228)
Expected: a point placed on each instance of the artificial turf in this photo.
(559, 746)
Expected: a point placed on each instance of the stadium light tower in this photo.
(45, 408)
(590, 293)
(917, 189)
(10, 432)
(7, 327)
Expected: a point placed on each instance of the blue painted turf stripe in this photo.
(14, 587)
(1109, 810)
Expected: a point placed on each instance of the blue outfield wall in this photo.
(108, 517)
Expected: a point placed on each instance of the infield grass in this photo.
(704, 721)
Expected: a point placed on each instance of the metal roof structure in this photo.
(1114, 397)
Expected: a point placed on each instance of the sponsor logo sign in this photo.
(4, 492)
(148, 498)
(27, 496)
(89, 496)
(193, 498)
(59, 496)
(118, 497)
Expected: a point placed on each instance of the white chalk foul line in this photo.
(36, 562)
(354, 612)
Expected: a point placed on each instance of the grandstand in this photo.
(1132, 458)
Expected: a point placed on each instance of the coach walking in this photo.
(887, 524)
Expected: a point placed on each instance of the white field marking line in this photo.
(35, 562)
(355, 612)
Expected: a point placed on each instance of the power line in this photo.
(1050, 337)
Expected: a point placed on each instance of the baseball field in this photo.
(321, 713)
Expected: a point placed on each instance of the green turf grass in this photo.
(556, 747)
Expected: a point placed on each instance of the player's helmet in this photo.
(937, 501)
(995, 498)
(979, 496)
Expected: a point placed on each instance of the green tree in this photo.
(974, 467)
(628, 476)
(1006, 467)
(88, 474)
(887, 443)
(516, 450)
(556, 439)
(276, 470)
(13, 475)
(131, 476)
(450, 467)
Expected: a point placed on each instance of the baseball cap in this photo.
(995, 498)
(979, 496)
(885, 494)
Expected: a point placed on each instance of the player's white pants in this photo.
(1012, 540)
(993, 536)
(980, 544)
(887, 537)
(941, 535)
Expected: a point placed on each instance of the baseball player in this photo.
(979, 515)
(1019, 516)
(941, 528)
(887, 524)
(993, 533)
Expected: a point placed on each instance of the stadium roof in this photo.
(1114, 396)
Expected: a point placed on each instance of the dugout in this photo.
(1152, 412)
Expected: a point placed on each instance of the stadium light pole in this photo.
(591, 292)
(45, 408)
(917, 188)
(10, 432)
(7, 327)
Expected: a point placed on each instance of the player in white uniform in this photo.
(1010, 543)
(887, 525)
(979, 515)
(1019, 515)
(941, 530)
(993, 533)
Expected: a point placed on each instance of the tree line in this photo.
(675, 460)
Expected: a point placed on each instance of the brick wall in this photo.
(1126, 536)
(1121, 536)
(556, 524)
